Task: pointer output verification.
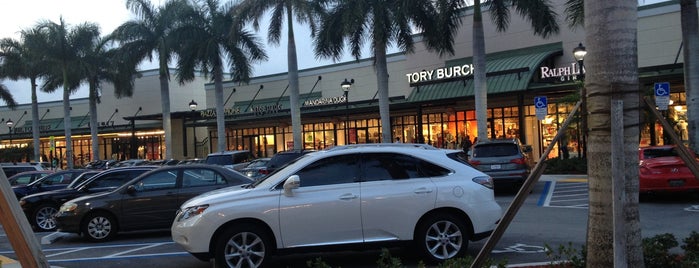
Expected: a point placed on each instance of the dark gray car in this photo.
(502, 159)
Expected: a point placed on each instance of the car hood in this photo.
(52, 193)
(218, 196)
(90, 196)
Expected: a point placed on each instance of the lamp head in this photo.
(579, 52)
(193, 105)
(346, 84)
(10, 123)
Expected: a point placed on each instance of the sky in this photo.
(109, 14)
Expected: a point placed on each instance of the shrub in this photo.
(575, 165)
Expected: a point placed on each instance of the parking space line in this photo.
(135, 249)
(66, 252)
(182, 253)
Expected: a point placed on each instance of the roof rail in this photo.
(373, 145)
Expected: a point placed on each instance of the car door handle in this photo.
(348, 196)
(423, 191)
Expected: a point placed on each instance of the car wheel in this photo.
(442, 237)
(98, 227)
(242, 246)
(44, 217)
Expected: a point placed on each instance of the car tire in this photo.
(43, 217)
(441, 237)
(243, 245)
(99, 227)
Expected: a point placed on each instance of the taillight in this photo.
(644, 170)
(263, 171)
(519, 161)
(474, 162)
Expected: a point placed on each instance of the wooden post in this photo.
(618, 183)
(17, 228)
(521, 195)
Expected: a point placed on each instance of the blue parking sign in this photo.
(541, 105)
(662, 95)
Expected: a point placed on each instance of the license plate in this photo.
(495, 167)
(676, 183)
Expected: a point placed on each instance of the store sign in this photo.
(541, 105)
(567, 73)
(212, 112)
(662, 95)
(266, 109)
(441, 73)
(325, 101)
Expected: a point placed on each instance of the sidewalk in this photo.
(564, 177)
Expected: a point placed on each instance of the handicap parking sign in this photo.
(541, 105)
(662, 95)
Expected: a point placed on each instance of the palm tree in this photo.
(22, 60)
(62, 54)
(6, 96)
(303, 11)
(102, 62)
(211, 37)
(147, 35)
(612, 68)
(690, 40)
(384, 23)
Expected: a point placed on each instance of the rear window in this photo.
(495, 150)
(660, 152)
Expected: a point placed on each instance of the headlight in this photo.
(191, 212)
(68, 207)
(22, 202)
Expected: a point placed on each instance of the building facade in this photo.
(431, 99)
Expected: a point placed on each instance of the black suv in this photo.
(282, 158)
(502, 159)
(229, 158)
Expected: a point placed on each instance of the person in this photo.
(397, 140)
(466, 144)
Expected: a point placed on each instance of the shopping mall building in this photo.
(431, 99)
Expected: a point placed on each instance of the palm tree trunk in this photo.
(293, 82)
(93, 121)
(690, 40)
(612, 70)
(165, 102)
(382, 81)
(220, 116)
(35, 122)
(479, 79)
(66, 119)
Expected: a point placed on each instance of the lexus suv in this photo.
(354, 194)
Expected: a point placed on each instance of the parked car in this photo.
(345, 195)
(82, 178)
(41, 207)
(149, 201)
(11, 169)
(229, 158)
(56, 180)
(129, 163)
(256, 169)
(26, 177)
(502, 159)
(192, 161)
(282, 158)
(661, 169)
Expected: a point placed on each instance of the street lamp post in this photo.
(134, 148)
(346, 85)
(193, 107)
(10, 123)
(579, 53)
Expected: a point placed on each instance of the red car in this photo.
(661, 169)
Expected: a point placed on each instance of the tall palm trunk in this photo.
(479, 79)
(220, 116)
(690, 40)
(382, 82)
(293, 82)
(165, 102)
(93, 121)
(66, 119)
(35, 122)
(612, 64)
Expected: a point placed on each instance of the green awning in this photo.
(507, 71)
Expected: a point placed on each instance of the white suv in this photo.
(345, 195)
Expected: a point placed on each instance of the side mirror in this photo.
(131, 189)
(291, 183)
